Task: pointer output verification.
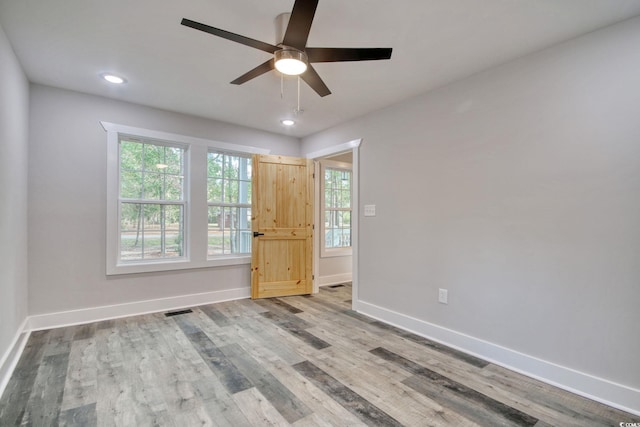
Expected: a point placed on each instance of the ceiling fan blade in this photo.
(257, 44)
(312, 78)
(340, 54)
(258, 71)
(300, 24)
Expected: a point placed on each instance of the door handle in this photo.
(256, 234)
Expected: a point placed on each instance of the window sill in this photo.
(160, 266)
(332, 253)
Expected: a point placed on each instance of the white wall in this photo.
(14, 114)
(67, 168)
(518, 190)
(334, 270)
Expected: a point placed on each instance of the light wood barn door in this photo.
(282, 225)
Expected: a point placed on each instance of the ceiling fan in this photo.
(293, 51)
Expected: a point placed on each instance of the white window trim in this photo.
(324, 251)
(196, 197)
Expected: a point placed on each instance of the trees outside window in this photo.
(151, 200)
(229, 204)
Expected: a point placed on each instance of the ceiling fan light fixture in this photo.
(291, 62)
(288, 122)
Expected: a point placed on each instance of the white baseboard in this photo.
(334, 279)
(10, 358)
(95, 314)
(586, 385)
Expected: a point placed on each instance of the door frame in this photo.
(352, 146)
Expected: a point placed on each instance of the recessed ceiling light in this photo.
(288, 122)
(112, 78)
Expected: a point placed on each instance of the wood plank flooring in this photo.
(300, 361)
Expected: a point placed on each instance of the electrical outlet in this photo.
(443, 296)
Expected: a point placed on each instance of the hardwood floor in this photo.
(301, 361)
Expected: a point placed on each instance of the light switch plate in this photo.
(369, 210)
(443, 296)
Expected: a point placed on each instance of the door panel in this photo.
(282, 211)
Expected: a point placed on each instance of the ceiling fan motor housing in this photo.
(281, 22)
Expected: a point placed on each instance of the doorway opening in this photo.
(336, 216)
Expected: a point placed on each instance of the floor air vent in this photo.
(336, 286)
(175, 313)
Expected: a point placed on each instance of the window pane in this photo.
(231, 192)
(151, 232)
(153, 156)
(328, 238)
(131, 185)
(329, 199)
(231, 166)
(329, 219)
(214, 165)
(214, 190)
(130, 156)
(245, 168)
(173, 188)
(153, 186)
(215, 231)
(345, 180)
(344, 198)
(173, 160)
(241, 232)
(345, 238)
(130, 231)
(229, 230)
(237, 228)
(173, 231)
(244, 192)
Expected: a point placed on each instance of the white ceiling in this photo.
(68, 43)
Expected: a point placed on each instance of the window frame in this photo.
(196, 207)
(340, 251)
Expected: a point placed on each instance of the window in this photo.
(176, 202)
(336, 208)
(151, 200)
(229, 204)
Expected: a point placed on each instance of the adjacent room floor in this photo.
(302, 361)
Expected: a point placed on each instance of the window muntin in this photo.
(151, 202)
(229, 204)
(336, 210)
